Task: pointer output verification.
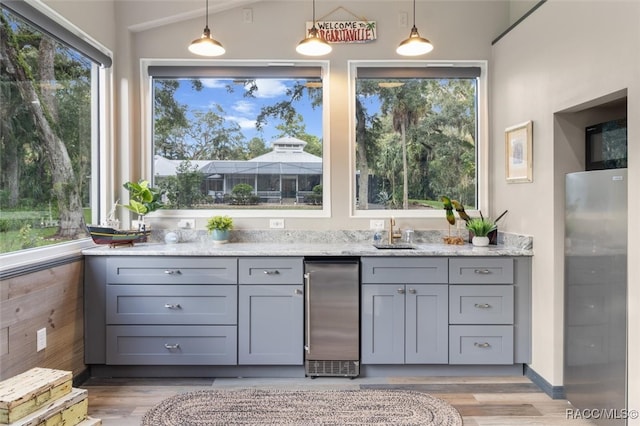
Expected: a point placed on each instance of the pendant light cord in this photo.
(314, 13)
(414, 12)
(206, 18)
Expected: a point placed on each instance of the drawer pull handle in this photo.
(413, 291)
(274, 272)
(481, 271)
(400, 290)
(172, 306)
(173, 346)
(482, 305)
(172, 271)
(297, 291)
(481, 345)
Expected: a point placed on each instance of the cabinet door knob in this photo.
(400, 290)
(172, 346)
(172, 271)
(481, 345)
(274, 272)
(481, 271)
(482, 305)
(172, 306)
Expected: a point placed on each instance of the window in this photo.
(49, 85)
(238, 137)
(416, 136)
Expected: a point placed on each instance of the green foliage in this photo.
(316, 197)
(242, 194)
(431, 122)
(143, 198)
(481, 227)
(183, 189)
(27, 238)
(221, 223)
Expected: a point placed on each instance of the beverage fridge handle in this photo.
(307, 292)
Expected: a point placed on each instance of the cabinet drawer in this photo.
(270, 270)
(171, 270)
(415, 270)
(172, 304)
(480, 344)
(171, 345)
(481, 271)
(481, 304)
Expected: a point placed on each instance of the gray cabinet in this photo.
(404, 324)
(481, 311)
(457, 310)
(167, 311)
(270, 311)
(404, 320)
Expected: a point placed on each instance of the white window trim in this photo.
(146, 166)
(483, 137)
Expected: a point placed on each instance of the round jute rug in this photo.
(302, 407)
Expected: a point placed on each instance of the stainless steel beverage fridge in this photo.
(332, 317)
(595, 351)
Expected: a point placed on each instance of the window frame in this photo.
(51, 23)
(482, 160)
(147, 135)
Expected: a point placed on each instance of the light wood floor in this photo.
(482, 401)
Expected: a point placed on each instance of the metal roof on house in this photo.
(286, 158)
(261, 168)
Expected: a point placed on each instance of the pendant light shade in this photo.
(206, 45)
(414, 45)
(313, 44)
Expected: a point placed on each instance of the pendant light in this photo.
(206, 45)
(414, 45)
(313, 44)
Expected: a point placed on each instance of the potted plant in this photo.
(219, 227)
(143, 199)
(480, 227)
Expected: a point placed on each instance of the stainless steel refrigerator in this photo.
(332, 317)
(595, 324)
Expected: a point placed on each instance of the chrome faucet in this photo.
(393, 235)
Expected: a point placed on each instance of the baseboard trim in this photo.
(555, 392)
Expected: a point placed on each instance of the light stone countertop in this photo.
(208, 248)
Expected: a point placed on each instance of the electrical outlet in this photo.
(276, 223)
(187, 223)
(403, 19)
(41, 341)
(376, 224)
(247, 16)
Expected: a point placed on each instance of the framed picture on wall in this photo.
(519, 152)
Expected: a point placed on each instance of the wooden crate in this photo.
(70, 410)
(28, 392)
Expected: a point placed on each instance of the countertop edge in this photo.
(300, 250)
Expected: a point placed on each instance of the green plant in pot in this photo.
(219, 227)
(143, 199)
(480, 227)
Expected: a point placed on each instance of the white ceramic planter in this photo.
(480, 241)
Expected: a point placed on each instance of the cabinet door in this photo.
(270, 324)
(427, 324)
(382, 325)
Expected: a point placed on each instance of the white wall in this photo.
(564, 55)
(460, 30)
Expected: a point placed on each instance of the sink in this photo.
(398, 246)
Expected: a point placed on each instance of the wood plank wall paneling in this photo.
(51, 299)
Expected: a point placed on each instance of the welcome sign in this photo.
(345, 31)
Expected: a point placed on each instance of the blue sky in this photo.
(244, 110)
